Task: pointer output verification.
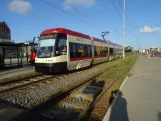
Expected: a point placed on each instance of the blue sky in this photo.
(28, 18)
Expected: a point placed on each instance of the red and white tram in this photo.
(61, 49)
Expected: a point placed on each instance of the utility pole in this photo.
(124, 31)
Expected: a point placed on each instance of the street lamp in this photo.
(123, 31)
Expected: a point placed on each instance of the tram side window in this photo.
(111, 50)
(115, 51)
(89, 50)
(103, 51)
(72, 50)
(106, 49)
(80, 50)
(97, 50)
(61, 45)
(100, 51)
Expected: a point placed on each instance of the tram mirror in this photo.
(38, 39)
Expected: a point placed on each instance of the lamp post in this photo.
(124, 31)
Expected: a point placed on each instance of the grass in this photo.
(109, 76)
(114, 72)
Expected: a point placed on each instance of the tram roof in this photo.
(74, 33)
(65, 31)
(100, 40)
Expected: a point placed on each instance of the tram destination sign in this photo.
(48, 36)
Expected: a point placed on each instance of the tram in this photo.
(61, 49)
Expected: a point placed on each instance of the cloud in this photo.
(147, 29)
(20, 6)
(84, 3)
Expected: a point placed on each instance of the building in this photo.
(5, 36)
(5, 32)
(155, 49)
(142, 51)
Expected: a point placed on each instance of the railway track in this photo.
(42, 111)
(19, 93)
(22, 83)
(76, 109)
(32, 81)
(84, 113)
(60, 99)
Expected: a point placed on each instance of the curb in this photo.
(109, 111)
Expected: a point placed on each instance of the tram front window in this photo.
(46, 48)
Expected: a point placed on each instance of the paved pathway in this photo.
(12, 72)
(141, 100)
(7, 111)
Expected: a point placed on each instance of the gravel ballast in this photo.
(34, 95)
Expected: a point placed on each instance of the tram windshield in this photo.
(46, 46)
(52, 45)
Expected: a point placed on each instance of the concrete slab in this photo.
(141, 94)
(17, 74)
(6, 112)
(87, 93)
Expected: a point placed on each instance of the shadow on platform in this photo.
(119, 108)
(159, 116)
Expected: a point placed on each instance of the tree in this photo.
(28, 41)
(128, 49)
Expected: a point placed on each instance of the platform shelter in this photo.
(15, 55)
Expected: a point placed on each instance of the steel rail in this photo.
(27, 84)
(87, 110)
(53, 100)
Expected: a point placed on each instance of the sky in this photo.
(28, 18)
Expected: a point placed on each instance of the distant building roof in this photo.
(4, 23)
(6, 41)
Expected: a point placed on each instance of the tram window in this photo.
(111, 50)
(106, 49)
(103, 51)
(85, 50)
(89, 50)
(114, 50)
(95, 52)
(80, 50)
(61, 45)
(72, 50)
(98, 51)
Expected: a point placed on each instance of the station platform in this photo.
(7, 111)
(17, 74)
(141, 98)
